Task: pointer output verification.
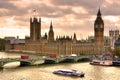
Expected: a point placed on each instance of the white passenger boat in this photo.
(106, 63)
(95, 62)
(102, 62)
(69, 72)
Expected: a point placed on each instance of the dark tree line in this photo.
(2, 44)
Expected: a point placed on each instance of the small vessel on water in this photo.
(69, 72)
(102, 62)
(116, 63)
(95, 62)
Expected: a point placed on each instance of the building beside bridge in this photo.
(62, 45)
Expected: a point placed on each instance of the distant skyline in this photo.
(68, 16)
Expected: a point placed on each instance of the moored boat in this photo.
(95, 62)
(106, 63)
(69, 72)
(102, 62)
(116, 63)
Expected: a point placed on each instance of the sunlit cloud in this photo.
(79, 10)
(14, 32)
(10, 21)
(109, 1)
(112, 18)
(67, 16)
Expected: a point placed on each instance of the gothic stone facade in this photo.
(63, 45)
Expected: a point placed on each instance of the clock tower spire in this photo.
(99, 32)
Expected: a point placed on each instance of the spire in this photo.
(74, 36)
(51, 33)
(39, 19)
(99, 17)
(30, 19)
(51, 27)
(99, 13)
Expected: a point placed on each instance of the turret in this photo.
(35, 27)
(74, 38)
(51, 33)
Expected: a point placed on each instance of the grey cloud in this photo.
(48, 11)
(6, 4)
(89, 4)
(12, 9)
(111, 8)
(74, 2)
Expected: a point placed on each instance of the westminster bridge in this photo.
(45, 59)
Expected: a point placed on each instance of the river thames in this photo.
(44, 71)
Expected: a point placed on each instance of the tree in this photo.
(2, 44)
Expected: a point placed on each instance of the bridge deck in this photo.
(4, 61)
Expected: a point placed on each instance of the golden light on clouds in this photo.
(68, 16)
(13, 32)
(112, 18)
(10, 21)
(3, 11)
(24, 3)
(64, 7)
(79, 10)
(109, 1)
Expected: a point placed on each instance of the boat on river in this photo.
(102, 62)
(69, 72)
(116, 63)
(95, 62)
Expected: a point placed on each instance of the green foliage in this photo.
(2, 44)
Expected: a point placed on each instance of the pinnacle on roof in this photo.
(99, 13)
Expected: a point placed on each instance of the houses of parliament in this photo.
(62, 45)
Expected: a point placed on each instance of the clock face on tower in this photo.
(96, 26)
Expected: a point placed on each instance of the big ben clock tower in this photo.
(99, 32)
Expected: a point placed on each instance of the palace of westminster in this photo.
(63, 45)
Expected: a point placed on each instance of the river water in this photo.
(44, 71)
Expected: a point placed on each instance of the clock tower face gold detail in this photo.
(96, 26)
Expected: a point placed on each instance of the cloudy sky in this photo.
(68, 16)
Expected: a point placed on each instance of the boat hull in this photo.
(69, 73)
(49, 61)
(102, 63)
(116, 63)
(23, 63)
